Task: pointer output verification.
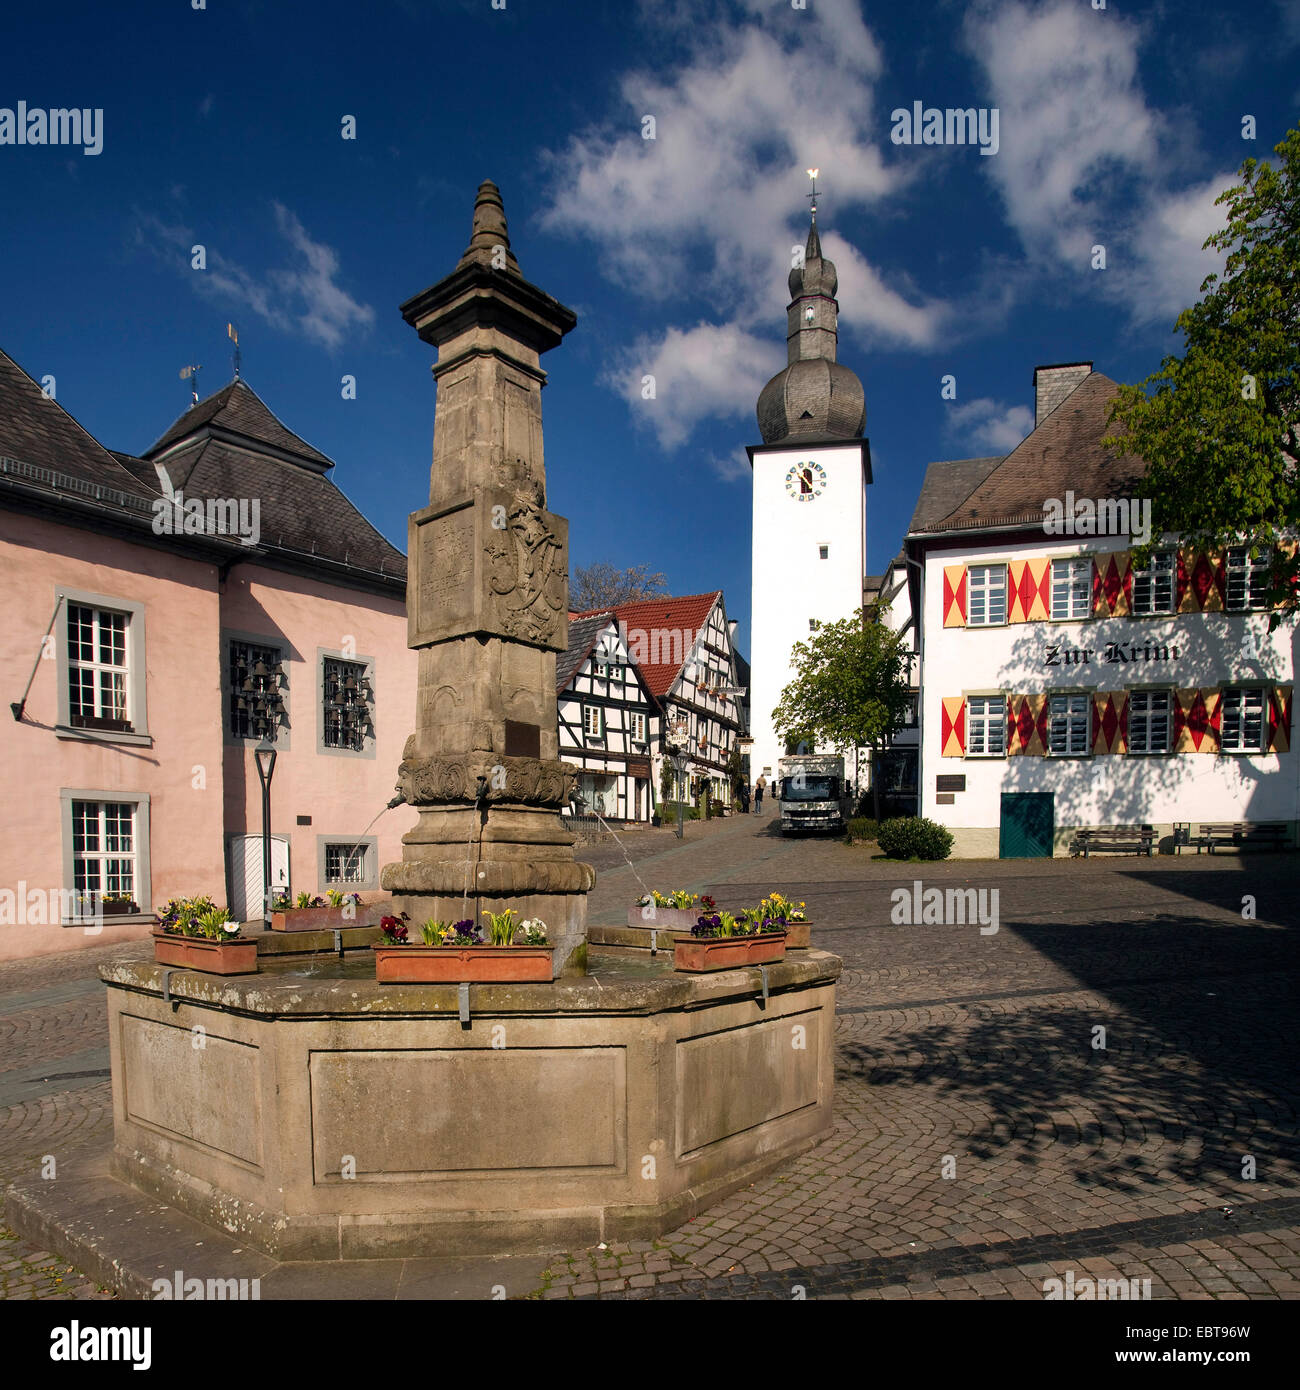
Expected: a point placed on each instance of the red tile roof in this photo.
(687, 614)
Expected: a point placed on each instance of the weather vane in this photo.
(232, 332)
(812, 174)
(193, 374)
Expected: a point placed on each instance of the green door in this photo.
(1027, 826)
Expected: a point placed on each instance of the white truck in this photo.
(812, 793)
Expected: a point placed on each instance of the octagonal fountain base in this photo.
(317, 1114)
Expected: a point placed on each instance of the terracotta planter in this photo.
(797, 936)
(726, 952)
(327, 918)
(664, 918)
(461, 964)
(200, 953)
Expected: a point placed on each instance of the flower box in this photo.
(697, 953)
(119, 908)
(328, 918)
(797, 936)
(462, 964)
(663, 918)
(202, 953)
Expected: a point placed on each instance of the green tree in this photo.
(1217, 425)
(735, 772)
(851, 688)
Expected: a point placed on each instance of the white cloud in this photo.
(699, 373)
(989, 425)
(1169, 264)
(1085, 161)
(302, 297)
(707, 212)
(1073, 118)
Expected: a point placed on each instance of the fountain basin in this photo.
(318, 1114)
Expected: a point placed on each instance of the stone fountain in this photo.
(487, 609)
(314, 1113)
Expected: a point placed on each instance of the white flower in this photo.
(230, 926)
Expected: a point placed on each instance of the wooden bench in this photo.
(1244, 833)
(1138, 838)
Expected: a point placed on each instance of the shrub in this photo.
(668, 812)
(861, 828)
(914, 837)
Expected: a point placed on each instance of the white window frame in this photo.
(637, 726)
(593, 722)
(133, 670)
(989, 590)
(1249, 576)
(1062, 707)
(987, 722)
(1236, 695)
(1076, 588)
(1148, 716)
(141, 888)
(1163, 568)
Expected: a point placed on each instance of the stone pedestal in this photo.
(487, 610)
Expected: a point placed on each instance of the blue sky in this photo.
(222, 126)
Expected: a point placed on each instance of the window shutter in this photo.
(953, 727)
(1109, 722)
(1027, 724)
(954, 596)
(1196, 720)
(1279, 719)
(1112, 585)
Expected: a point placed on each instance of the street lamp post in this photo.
(265, 771)
(262, 706)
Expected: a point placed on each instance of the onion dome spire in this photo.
(814, 396)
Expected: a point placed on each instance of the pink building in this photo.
(142, 595)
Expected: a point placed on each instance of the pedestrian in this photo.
(744, 799)
(758, 797)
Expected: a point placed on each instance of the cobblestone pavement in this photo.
(961, 1053)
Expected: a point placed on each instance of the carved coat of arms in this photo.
(527, 574)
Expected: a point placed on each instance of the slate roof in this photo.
(583, 633)
(227, 446)
(688, 613)
(238, 410)
(37, 431)
(1063, 453)
(947, 484)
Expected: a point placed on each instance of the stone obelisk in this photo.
(487, 599)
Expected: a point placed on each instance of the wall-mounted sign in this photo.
(1112, 653)
(950, 782)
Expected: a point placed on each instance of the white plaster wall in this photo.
(790, 583)
(1105, 788)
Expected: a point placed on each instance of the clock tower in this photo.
(810, 489)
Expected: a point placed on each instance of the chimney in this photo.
(1053, 384)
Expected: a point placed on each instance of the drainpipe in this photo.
(920, 702)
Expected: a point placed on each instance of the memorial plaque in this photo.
(944, 799)
(950, 782)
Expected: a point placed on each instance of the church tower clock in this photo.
(810, 488)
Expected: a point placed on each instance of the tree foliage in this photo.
(603, 586)
(851, 688)
(1218, 425)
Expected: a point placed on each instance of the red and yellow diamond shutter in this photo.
(952, 733)
(954, 596)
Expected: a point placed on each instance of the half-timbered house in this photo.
(685, 650)
(609, 722)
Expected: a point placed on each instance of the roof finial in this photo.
(812, 174)
(232, 332)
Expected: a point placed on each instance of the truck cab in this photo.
(812, 794)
